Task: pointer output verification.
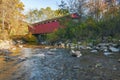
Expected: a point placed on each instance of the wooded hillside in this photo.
(12, 18)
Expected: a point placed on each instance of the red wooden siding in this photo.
(44, 28)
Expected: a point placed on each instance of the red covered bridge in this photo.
(41, 28)
(44, 27)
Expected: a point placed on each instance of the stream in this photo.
(58, 64)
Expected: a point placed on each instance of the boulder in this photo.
(21, 59)
(98, 65)
(76, 53)
(103, 44)
(119, 60)
(40, 55)
(76, 67)
(107, 53)
(68, 45)
(20, 46)
(113, 49)
(94, 51)
(47, 47)
(72, 46)
(5, 44)
(62, 45)
(103, 48)
(112, 44)
(82, 47)
(50, 53)
(89, 47)
(53, 49)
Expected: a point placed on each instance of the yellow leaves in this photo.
(20, 6)
(13, 15)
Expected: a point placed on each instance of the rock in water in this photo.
(20, 46)
(119, 60)
(21, 59)
(47, 47)
(76, 53)
(50, 53)
(54, 49)
(94, 51)
(107, 53)
(113, 49)
(40, 55)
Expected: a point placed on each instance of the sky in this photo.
(33, 4)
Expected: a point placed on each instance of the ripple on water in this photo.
(27, 52)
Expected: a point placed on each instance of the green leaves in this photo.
(42, 14)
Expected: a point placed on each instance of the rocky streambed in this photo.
(58, 64)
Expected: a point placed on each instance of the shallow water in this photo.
(58, 64)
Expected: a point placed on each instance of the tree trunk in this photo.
(3, 21)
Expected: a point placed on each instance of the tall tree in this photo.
(63, 8)
(36, 15)
(77, 6)
(48, 13)
(11, 14)
(33, 15)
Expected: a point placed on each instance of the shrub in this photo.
(30, 38)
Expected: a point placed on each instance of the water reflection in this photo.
(27, 52)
